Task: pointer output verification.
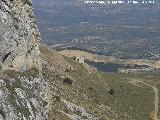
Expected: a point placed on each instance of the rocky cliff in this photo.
(18, 35)
(21, 83)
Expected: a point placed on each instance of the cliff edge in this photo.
(21, 83)
(19, 36)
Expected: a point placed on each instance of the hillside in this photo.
(38, 83)
(108, 59)
(78, 92)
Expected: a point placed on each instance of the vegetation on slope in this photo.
(105, 96)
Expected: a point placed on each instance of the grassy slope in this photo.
(90, 90)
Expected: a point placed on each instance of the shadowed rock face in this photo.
(19, 35)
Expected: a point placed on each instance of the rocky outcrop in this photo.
(21, 83)
(21, 96)
(19, 35)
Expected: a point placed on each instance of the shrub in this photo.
(67, 81)
(111, 92)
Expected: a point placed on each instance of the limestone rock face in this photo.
(21, 82)
(19, 35)
(21, 97)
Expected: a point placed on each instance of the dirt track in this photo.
(156, 100)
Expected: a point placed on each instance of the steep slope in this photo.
(21, 83)
(78, 92)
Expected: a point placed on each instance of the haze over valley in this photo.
(121, 30)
